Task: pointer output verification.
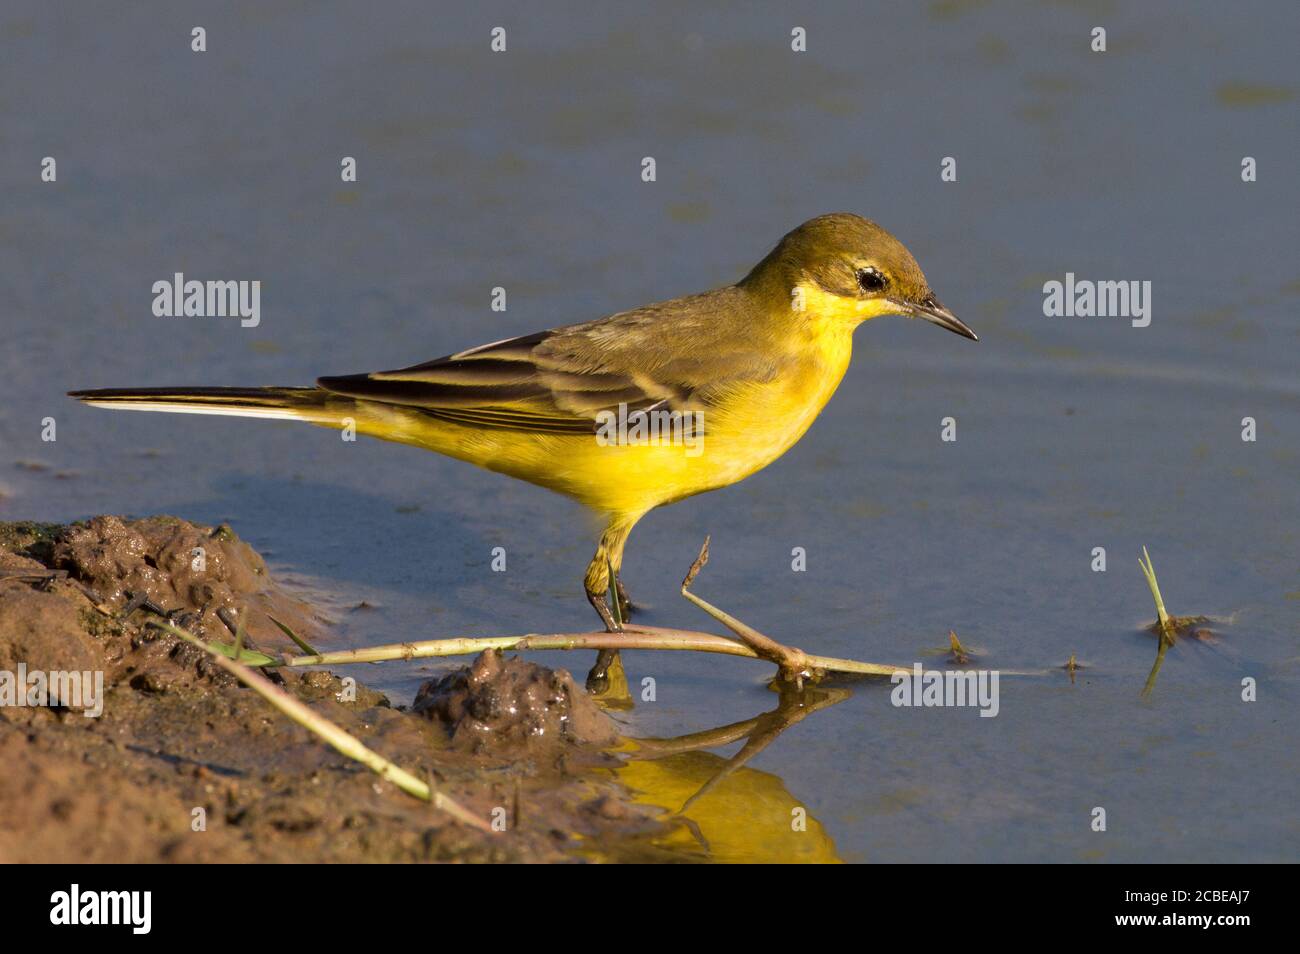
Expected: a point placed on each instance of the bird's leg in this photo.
(597, 584)
(602, 608)
(598, 678)
(625, 606)
(602, 580)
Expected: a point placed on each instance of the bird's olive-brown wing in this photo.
(676, 356)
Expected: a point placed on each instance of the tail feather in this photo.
(294, 404)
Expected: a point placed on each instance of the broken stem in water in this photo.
(635, 637)
(794, 664)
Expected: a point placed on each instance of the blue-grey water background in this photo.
(522, 169)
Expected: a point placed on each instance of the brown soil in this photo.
(179, 739)
(499, 701)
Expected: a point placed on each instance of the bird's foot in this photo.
(598, 678)
(597, 600)
(625, 604)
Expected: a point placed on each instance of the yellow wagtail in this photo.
(740, 373)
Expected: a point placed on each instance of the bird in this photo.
(634, 410)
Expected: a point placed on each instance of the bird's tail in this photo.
(294, 404)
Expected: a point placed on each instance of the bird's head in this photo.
(844, 268)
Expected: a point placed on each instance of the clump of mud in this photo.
(184, 764)
(200, 578)
(499, 701)
(1184, 627)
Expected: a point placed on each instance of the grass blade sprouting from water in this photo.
(1166, 628)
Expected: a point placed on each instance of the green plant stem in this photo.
(326, 730)
(298, 640)
(1149, 572)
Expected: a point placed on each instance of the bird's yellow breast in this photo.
(751, 426)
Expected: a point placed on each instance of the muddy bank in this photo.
(183, 764)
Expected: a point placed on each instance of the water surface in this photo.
(522, 170)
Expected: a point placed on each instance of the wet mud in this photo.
(183, 764)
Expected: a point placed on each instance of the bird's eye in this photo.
(870, 279)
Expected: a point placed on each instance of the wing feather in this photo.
(673, 356)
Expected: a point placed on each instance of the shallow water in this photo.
(522, 170)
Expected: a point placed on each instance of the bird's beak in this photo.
(931, 310)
